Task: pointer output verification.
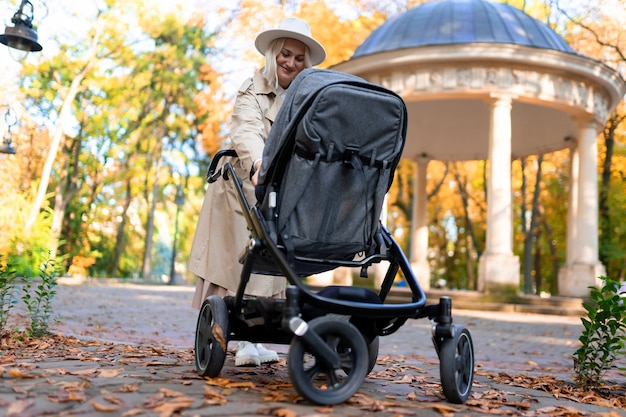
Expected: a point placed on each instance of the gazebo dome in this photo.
(449, 59)
(461, 22)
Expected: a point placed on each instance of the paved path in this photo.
(404, 382)
(162, 316)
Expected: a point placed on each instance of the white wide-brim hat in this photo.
(294, 28)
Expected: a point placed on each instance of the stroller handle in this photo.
(211, 175)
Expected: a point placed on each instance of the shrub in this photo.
(38, 301)
(8, 291)
(603, 337)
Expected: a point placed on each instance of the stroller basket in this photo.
(327, 165)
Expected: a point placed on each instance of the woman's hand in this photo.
(255, 176)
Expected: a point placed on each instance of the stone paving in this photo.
(135, 357)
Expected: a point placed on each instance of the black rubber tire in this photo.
(372, 349)
(456, 365)
(211, 336)
(318, 383)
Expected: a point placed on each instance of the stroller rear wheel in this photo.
(211, 336)
(456, 365)
(319, 383)
(373, 353)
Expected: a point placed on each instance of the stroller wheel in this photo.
(211, 336)
(456, 365)
(319, 383)
(373, 353)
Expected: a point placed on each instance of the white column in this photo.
(587, 219)
(499, 198)
(582, 268)
(498, 267)
(572, 207)
(419, 238)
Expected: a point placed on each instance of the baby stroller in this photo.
(327, 165)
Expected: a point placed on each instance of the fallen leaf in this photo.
(101, 407)
(177, 404)
(17, 408)
(324, 410)
(16, 373)
(133, 412)
(170, 393)
(88, 371)
(108, 373)
(67, 397)
(212, 397)
(218, 334)
(113, 399)
(154, 400)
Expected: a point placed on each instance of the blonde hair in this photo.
(270, 71)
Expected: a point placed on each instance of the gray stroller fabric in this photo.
(328, 163)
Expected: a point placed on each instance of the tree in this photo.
(597, 30)
(121, 98)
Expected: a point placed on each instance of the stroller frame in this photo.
(281, 321)
(333, 333)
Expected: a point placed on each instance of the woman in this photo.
(221, 233)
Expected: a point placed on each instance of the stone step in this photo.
(474, 300)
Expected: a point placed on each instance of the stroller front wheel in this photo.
(322, 384)
(456, 365)
(211, 336)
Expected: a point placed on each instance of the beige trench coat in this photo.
(221, 233)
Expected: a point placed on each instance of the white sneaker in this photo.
(266, 355)
(247, 355)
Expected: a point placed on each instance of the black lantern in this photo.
(7, 144)
(21, 35)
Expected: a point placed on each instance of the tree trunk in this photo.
(466, 218)
(530, 232)
(527, 254)
(147, 254)
(65, 191)
(554, 282)
(119, 237)
(59, 134)
(605, 183)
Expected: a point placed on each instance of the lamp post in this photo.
(179, 201)
(7, 144)
(21, 35)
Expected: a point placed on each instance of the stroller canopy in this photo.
(329, 161)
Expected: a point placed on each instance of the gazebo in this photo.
(485, 81)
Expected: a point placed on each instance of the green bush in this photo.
(603, 337)
(38, 300)
(8, 291)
